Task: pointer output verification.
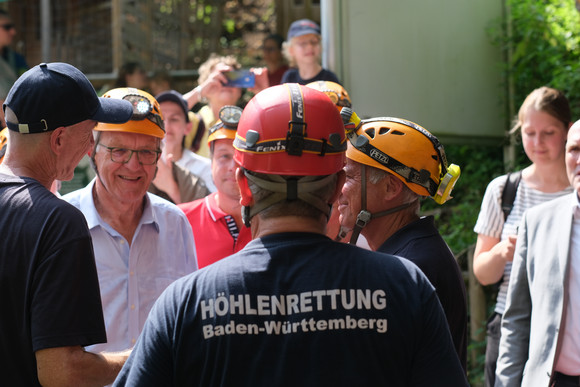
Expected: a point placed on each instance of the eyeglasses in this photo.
(7, 27)
(270, 49)
(310, 42)
(123, 155)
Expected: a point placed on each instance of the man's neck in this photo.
(230, 206)
(380, 229)
(109, 210)
(262, 227)
(309, 71)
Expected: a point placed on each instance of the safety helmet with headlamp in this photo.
(337, 94)
(290, 129)
(225, 127)
(406, 150)
(146, 118)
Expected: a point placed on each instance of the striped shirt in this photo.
(490, 221)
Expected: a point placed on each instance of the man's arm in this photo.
(515, 327)
(73, 366)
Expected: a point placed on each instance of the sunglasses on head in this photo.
(7, 26)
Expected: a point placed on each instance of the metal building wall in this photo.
(427, 61)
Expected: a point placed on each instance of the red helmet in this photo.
(291, 129)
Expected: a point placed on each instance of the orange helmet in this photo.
(146, 119)
(290, 129)
(406, 150)
(337, 94)
(3, 143)
(226, 126)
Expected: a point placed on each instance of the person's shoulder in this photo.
(327, 75)
(394, 266)
(162, 204)
(74, 197)
(548, 208)
(193, 206)
(289, 75)
(377, 260)
(497, 182)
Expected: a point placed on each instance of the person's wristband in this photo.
(197, 90)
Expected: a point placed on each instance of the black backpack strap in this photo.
(508, 194)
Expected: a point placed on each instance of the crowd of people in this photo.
(276, 243)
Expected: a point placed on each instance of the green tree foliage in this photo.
(544, 43)
(545, 46)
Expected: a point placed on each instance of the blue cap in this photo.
(175, 97)
(303, 27)
(51, 95)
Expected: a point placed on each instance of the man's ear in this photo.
(246, 198)
(188, 127)
(392, 186)
(57, 142)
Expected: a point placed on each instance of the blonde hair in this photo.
(209, 65)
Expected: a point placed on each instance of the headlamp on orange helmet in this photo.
(225, 127)
(146, 118)
(337, 94)
(405, 149)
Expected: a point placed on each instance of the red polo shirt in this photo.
(213, 238)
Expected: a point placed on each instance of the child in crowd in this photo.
(302, 49)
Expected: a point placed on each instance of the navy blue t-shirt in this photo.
(297, 309)
(49, 289)
(421, 243)
(293, 76)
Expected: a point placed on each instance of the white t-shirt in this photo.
(490, 221)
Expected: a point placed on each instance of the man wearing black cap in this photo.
(49, 291)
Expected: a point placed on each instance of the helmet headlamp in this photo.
(230, 115)
(143, 109)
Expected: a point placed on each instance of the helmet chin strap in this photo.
(287, 190)
(364, 216)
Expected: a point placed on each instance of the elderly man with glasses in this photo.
(142, 242)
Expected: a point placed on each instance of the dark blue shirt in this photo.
(421, 243)
(293, 76)
(297, 309)
(49, 290)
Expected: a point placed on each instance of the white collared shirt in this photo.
(132, 277)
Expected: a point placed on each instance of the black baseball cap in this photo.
(176, 97)
(51, 95)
